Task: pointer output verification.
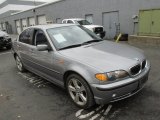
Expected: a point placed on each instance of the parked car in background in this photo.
(5, 40)
(99, 30)
(91, 69)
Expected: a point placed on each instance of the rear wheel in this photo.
(19, 64)
(79, 91)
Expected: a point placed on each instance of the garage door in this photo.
(18, 27)
(0, 26)
(149, 23)
(42, 20)
(111, 24)
(24, 24)
(58, 20)
(3, 26)
(32, 21)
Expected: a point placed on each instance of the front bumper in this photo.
(5, 42)
(104, 94)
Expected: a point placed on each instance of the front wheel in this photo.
(19, 64)
(79, 91)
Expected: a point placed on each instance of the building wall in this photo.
(79, 8)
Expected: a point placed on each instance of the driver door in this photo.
(44, 61)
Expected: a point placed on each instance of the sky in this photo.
(40, 0)
(1, 1)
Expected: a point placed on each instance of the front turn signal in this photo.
(101, 77)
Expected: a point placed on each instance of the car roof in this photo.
(74, 19)
(48, 26)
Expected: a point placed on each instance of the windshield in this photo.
(70, 35)
(84, 22)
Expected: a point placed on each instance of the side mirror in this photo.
(42, 47)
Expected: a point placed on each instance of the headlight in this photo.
(117, 75)
(111, 76)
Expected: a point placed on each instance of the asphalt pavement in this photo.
(25, 96)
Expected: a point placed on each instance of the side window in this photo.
(21, 36)
(26, 36)
(40, 38)
(69, 21)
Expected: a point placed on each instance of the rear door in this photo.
(25, 47)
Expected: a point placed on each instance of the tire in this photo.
(19, 64)
(79, 91)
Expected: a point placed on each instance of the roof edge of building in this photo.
(39, 6)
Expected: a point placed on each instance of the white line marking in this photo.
(5, 53)
(106, 112)
(35, 81)
(38, 82)
(78, 113)
(86, 115)
(41, 85)
(97, 115)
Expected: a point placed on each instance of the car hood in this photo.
(106, 56)
(3, 34)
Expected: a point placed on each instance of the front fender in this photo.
(88, 73)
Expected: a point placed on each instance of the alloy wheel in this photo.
(77, 92)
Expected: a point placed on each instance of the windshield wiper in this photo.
(78, 45)
(71, 46)
(91, 41)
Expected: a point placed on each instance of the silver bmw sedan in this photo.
(91, 70)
